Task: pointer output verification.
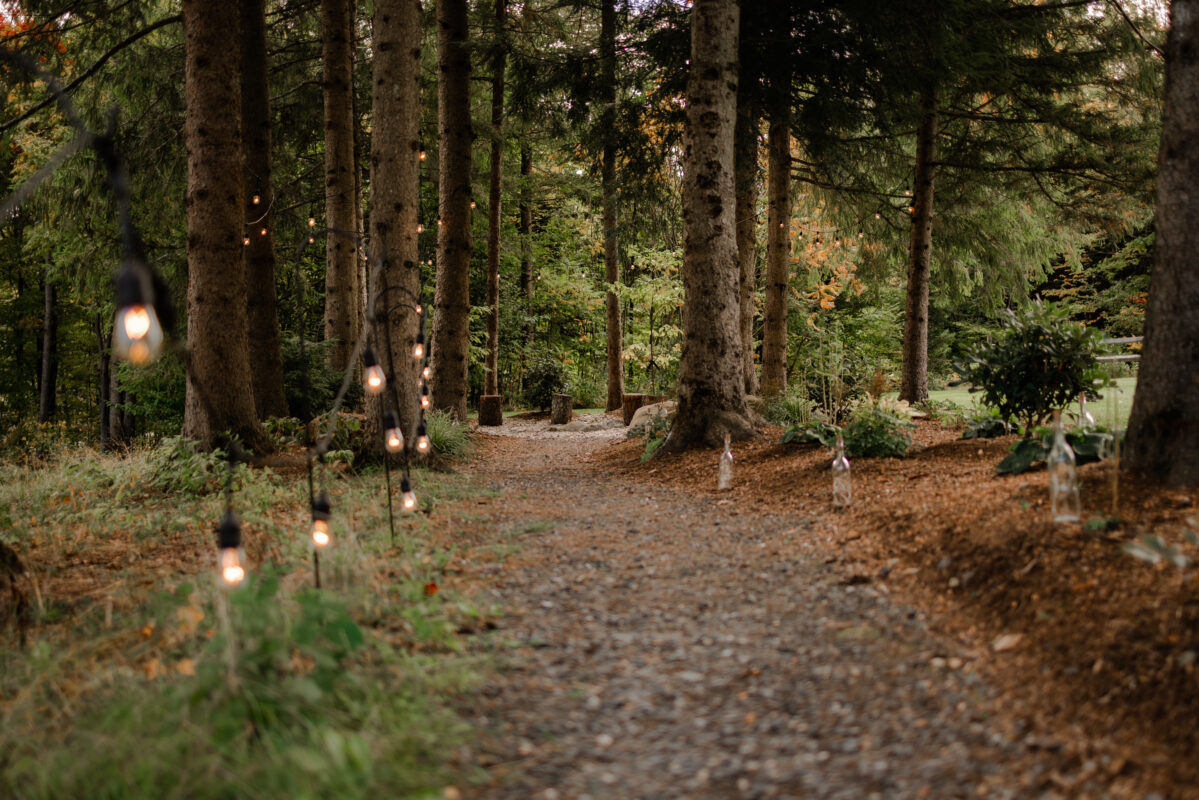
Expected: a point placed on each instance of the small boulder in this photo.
(646, 414)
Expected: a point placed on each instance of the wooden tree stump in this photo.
(561, 409)
(491, 410)
(629, 405)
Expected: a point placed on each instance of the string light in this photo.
(420, 227)
(393, 437)
(425, 402)
(311, 219)
(426, 373)
(439, 222)
(420, 309)
(472, 204)
(263, 231)
(321, 511)
(257, 199)
(421, 154)
(230, 558)
(245, 240)
(422, 437)
(137, 334)
(418, 349)
(878, 215)
(373, 378)
(407, 499)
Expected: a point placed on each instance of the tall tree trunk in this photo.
(451, 324)
(745, 180)
(341, 260)
(266, 358)
(103, 340)
(395, 207)
(608, 169)
(121, 425)
(48, 396)
(711, 385)
(526, 248)
(1163, 432)
(219, 397)
(491, 377)
(778, 256)
(914, 383)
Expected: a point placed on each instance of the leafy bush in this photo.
(1088, 446)
(876, 432)
(322, 382)
(817, 432)
(1041, 361)
(586, 392)
(793, 407)
(447, 438)
(176, 466)
(546, 376)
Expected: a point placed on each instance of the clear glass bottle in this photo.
(1063, 476)
(1085, 420)
(724, 473)
(842, 487)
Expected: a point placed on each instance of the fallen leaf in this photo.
(431, 588)
(186, 666)
(1007, 641)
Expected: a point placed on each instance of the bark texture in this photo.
(778, 257)
(526, 243)
(608, 169)
(491, 385)
(219, 394)
(451, 333)
(48, 385)
(395, 176)
(1163, 431)
(711, 385)
(914, 382)
(746, 186)
(342, 321)
(266, 358)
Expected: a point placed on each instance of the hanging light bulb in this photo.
(861, 234)
(137, 334)
(907, 192)
(321, 511)
(425, 402)
(393, 437)
(878, 215)
(422, 437)
(262, 231)
(311, 239)
(408, 499)
(373, 378)
(230, 558)
(245, 240)
(311, 219)
(472, 204)
(439, 222)
(426, 373)
(420, 309)
(421, 154)
(420, 227)
(418, 349)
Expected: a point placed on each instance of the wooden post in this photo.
(491, 410)
(630, 404)
(561, 409)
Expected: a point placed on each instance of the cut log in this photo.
(491, 410)
(561, 409)
(629, 405)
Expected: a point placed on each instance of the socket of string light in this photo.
(407, 498)
(373, 379)
(137, 333)
(321, 511)
(231, 559)
(422, 438)
(393, 437)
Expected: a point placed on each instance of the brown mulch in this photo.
(1082, 638)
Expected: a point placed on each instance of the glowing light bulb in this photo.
(472, 204)
(257, 199)
(418, 349)
(422, 154)
(439, 222)
(312, 222)
(422, 438)
(321, 511)
(426, 373)
(245, 240)
(878, 215)
(262, 231)
(861, 234)
(393, 437)
(408, 499)
(137, 334)
(420, 309)
(230, 559)
(311, 239)
(373, 378)
(425, 402)
(420, 227)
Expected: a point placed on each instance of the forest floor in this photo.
(942, 639)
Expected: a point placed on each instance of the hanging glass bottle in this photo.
(842, 487)
(724, 473)
(1063, 476)
(1085, 419)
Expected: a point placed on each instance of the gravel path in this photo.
(660, 647)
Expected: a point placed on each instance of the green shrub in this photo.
(1030, 452)
(817, 432)
(793, 407)
(586, 392)
(315, 397)
(176, 466)
(875, 432)
(546, 376)
(1041, 361)
(447, 438)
